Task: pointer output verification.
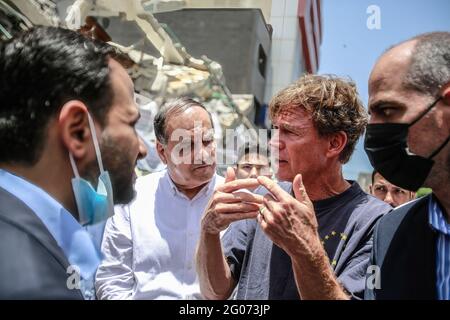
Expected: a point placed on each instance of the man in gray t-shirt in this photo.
(312, 240)
(263, 270)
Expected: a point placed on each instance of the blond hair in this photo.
(333, 103)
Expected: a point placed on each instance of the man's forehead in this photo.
(292, 116)
(117, 69)
(121, 81)
(391, 67)
(379, 179)
(204, 130)
(254, 158)
(193, 118)
(193, 126)
(201, 131)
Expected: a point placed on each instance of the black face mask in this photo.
(387, 148)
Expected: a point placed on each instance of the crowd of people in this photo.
(283, 223)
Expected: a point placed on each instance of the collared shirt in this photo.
(437, 221)
(149, 245)
(71, 237)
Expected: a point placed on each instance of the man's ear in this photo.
(160, 150)
(74, 127)
(370, 189)
(337, 142)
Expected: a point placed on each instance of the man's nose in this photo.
(142, 149)
(276, 143)
(389, 199)
(253, 173)
(204, 154)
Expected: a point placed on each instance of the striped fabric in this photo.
(439, 223)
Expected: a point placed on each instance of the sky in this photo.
(349, 48)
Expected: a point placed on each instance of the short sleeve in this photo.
(234, 243)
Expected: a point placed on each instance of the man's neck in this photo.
(51, 181)
(189, 192)
(326, 185)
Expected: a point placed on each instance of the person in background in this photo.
(389, 193)
(149, 245)
(69, 148)
(253, 161)
(407, 142)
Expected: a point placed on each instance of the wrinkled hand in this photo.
(289, 222)
(228, 205)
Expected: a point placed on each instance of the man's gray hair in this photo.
(430, 65)
(169, 109)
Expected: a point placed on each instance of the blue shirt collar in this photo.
(71, 237)
(436, 217)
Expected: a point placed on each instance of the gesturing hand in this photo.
(289, 222)
(228, 205)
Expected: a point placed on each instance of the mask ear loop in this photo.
(440, 148)
(425, 112)
(420, 117)
(96, 146)
(74, 166)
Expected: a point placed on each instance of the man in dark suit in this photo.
(407, 142)
(67, 116)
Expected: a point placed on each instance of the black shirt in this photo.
(346, 222)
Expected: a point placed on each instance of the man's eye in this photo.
(286, 131)
(399, 191)
(384, 110)
(380, 188)
(387, 111)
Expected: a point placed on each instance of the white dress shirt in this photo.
(149, 245)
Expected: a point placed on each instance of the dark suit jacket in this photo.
(404, 248)
(32, 265)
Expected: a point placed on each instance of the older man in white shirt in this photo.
(149, 245)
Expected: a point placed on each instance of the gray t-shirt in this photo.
(346, 223)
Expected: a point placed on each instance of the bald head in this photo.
(424, 60)
(409, 89)
(394, 63)
(415, 70)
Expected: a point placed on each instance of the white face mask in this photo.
(93, 206)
